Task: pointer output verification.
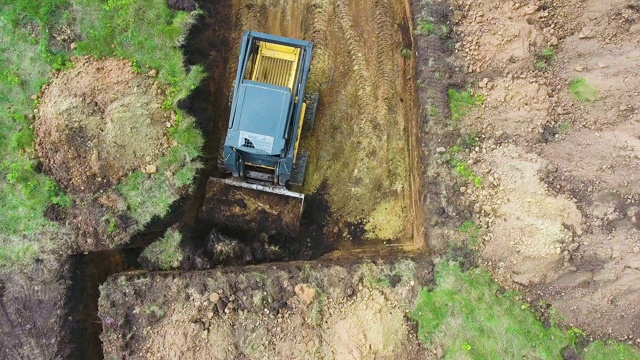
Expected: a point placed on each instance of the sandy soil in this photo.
(287, 311)
(561, 187)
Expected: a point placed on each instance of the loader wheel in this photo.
(299, 169)
(310, 114)
(222, 168)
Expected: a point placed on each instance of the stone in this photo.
(151, 169)
(441, 150)
(214, 297)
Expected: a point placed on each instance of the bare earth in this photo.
(287, 311)
(98, 122)
(561, 194)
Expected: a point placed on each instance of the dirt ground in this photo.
(560, 196)
(285, 311)
(99, 121)
(360, 150)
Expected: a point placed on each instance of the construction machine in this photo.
(260, 153)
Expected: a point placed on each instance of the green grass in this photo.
(461, 101)
(427, 27)
(564, 128)
(460, 166)
(166, 252)
(144, 31)
(582, 90)
(544, 58)
(611, 350)
(470, 317)
(472, 230)
(26, 60)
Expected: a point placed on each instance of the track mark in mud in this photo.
(360, 147)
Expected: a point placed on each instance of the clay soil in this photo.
(560, 196)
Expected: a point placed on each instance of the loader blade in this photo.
(251, 209)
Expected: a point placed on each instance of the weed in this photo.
(154, 311)
(472, 230)
(461, 167)
(432, 111)
(582, 90)
(544, 58)
(564, 128)
(166, 252)
(461, 101)
(406, 53)
(426, 27)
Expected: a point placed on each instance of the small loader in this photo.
(260, 154)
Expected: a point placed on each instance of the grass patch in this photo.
(582, 90)
(460, 166)
(428, 27)
(145, 31)
(472, 230)
(471, 317)
(166, 252)
(461, 101)
(600, 350)
(544, 58)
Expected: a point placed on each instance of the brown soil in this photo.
(97, 122)
(254, 211)
(560, 199)
(290, 311)
(360, 148)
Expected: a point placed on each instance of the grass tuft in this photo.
(461, 101)
(166, 252)
(582, 90)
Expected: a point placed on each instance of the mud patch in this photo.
(98, 122)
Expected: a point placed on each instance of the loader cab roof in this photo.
(260, 118)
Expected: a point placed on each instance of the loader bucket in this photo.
(251, 209)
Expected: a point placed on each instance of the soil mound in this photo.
(98, 122)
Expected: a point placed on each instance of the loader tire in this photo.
(299, 169)
(310, 114)
(222, 168)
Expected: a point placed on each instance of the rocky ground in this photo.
(560, 193)
(282, 311)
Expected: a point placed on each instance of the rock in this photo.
(585, 33)
(153, 73)
(441, 150)
(635, 29)
(214, 297)
(150, 169)
(580, 68)
(483, 83)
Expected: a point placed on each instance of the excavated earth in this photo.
(295, 310)
(561, 192)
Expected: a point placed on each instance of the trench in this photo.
(364, 145)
